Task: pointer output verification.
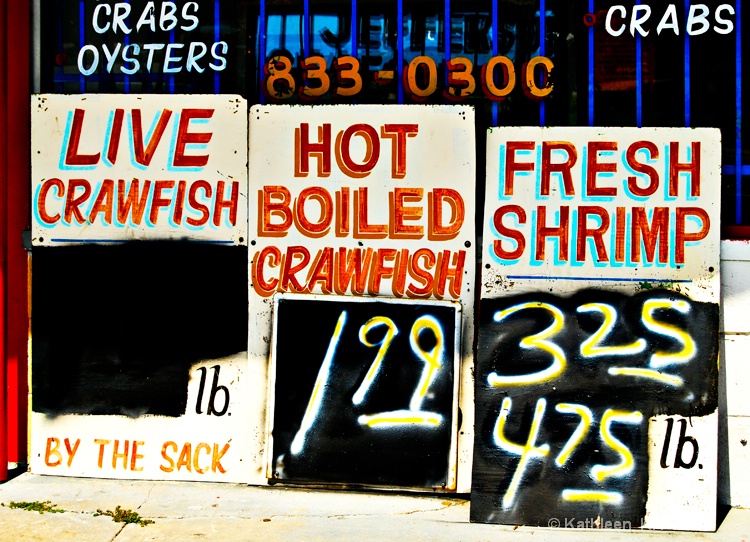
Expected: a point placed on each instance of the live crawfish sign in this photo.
(596, 378)
(123, 167)
(144, 376)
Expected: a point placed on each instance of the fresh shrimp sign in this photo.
(111, 168)
(598, 335)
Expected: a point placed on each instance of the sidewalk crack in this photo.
(118, 532)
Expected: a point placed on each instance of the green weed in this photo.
(121, 515)
(35, 506)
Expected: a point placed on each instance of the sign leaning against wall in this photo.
(597, 363)
(372, 202)
(138, 354)
(138, 167)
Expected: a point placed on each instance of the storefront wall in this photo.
(734, 424)
(600, 77)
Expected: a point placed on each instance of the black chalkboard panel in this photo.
(364, 391)
(117, 327)
(565, 389)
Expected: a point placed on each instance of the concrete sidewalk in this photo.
(229, 512)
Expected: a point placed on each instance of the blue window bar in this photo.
(664, 77)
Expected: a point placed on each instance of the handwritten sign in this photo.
(597, 364)
(148, 379)
(206, 443)
(697, 20)
(587, 203)
(113, 168)
(364, 391)
(358, 201)
(130, 53)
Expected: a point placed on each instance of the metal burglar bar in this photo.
(638, 77)
(686, 64)
(400, 46)
(591, 69)
(739, 168)
(543, 52)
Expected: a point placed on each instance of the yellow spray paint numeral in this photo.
(626, 464)
(433, 362)
(539, 342)
(663, 359)
(385, 343)
(579, 434)
(526, 452)
(592, 347)
(316, 398)
(432, 359)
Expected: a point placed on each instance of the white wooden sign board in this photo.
(601, 272)
(365, 200)
(114, 168)
(209, 442)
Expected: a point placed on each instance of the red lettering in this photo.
(593, 167)
(158, 201)
(649, 234)
(306, 226)
(73, 202)
(321, 271)
(563, 168)
(272, 255)
(231, 204)
(437, 229)
(179, 203)
(362, 228)
(185, 138)
(682, 237)
(380, 270)
(372, 150)
(41, 202)
(134, 200)
(351, 263)
(72, 156)
(596, 233)
(144, 156)
(421, 273)
(195, 204)
(114, 137)
(270, 209)
(104, 202)
(517, 236)
(693, 168)
(398, 133)
(291, 268)
(511, 166)
(561, 232)
(400, 213)
(304, 148)
(342, 212)
(449, 271)
(639, 167)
